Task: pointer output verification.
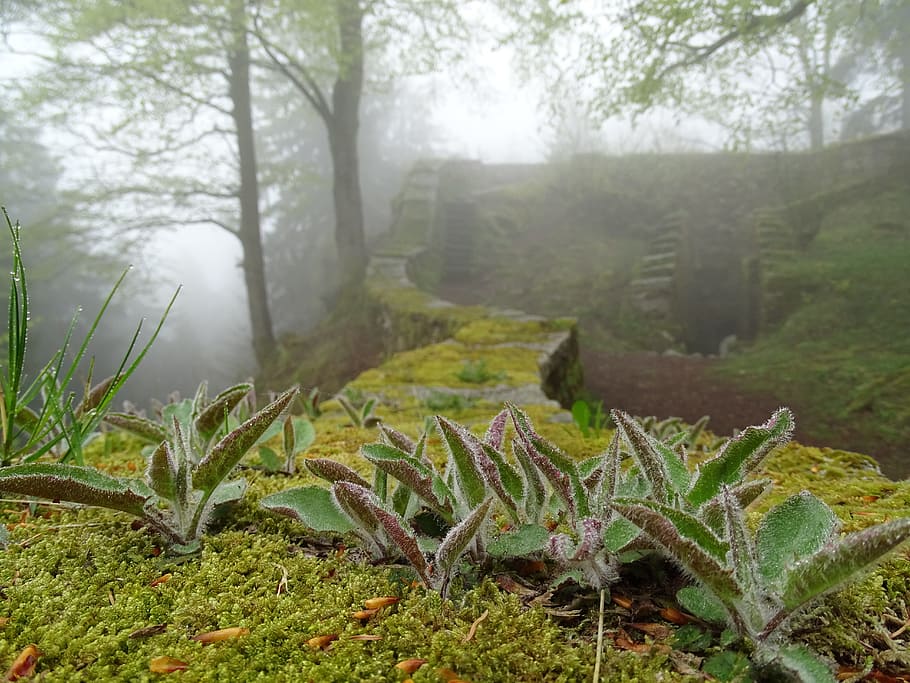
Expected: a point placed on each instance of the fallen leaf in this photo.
(221, 634)
(409, 666)
(530, 567)
(869, 499)
(674, 616)
(4, 621)
(658, 631)
(322, 642)
(364, 613)
(167, 665)
(365, 636)
(377, 603)
(164, 578)
(473, 630)
(24, 665)
(510, 585)
(622, 601)
(623, 642)
(146, 631)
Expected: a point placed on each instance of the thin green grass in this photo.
(60, 426)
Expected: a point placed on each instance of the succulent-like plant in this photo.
(755, 583)
(360, 410)
(182, 488)
(673, 428)
(752, 583)
(200, 420)
(59, 426)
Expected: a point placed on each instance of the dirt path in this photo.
(650, 384)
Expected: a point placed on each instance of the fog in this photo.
(252, 159)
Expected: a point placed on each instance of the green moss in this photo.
(504, 330)
(439, 364)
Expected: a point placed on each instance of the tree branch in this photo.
(754, 24)
(306, 84)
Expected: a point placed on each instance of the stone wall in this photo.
(409, 318)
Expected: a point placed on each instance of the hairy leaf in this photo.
(162, 472)
(213, 416)
(742, 553)
(841, 561)
(696, 600)
(535, 491)
(460, 443)
(74, 484)
(555, 466)
(660, 463)
(526, 539)
(686, 540)
(401, 537)
(510, 481)
(791, 531)
(354, 501)
(619, 533)
(228, 492)
(397, 439)
(140, 426)
(225, 455)
(298, 435)
(802, 665)
(712, 512)
(410, 472)
(460, 536)
(496, 432)
(332, 471)
(740, 456)
(311, 505)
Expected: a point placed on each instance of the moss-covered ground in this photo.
(102, 601)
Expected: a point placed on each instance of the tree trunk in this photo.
(343, 129)
(816, 122)
(250, 233)
(905, 87)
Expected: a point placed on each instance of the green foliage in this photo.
(359, 409)
(752, 582)
(477, 372)
(311, 403)
(589, 417)
(757, 582)
(445, 402)
(184, 483)
(60, 426)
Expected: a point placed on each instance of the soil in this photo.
(647, 383)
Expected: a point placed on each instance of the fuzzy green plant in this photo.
(477, 372)
(386, 518)
(674, 429)
(578, 496)
(359, 409)
(41, 415)
(311, 403)
(202, 420)
(182, 488)
(544, 483)
(753, 583)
